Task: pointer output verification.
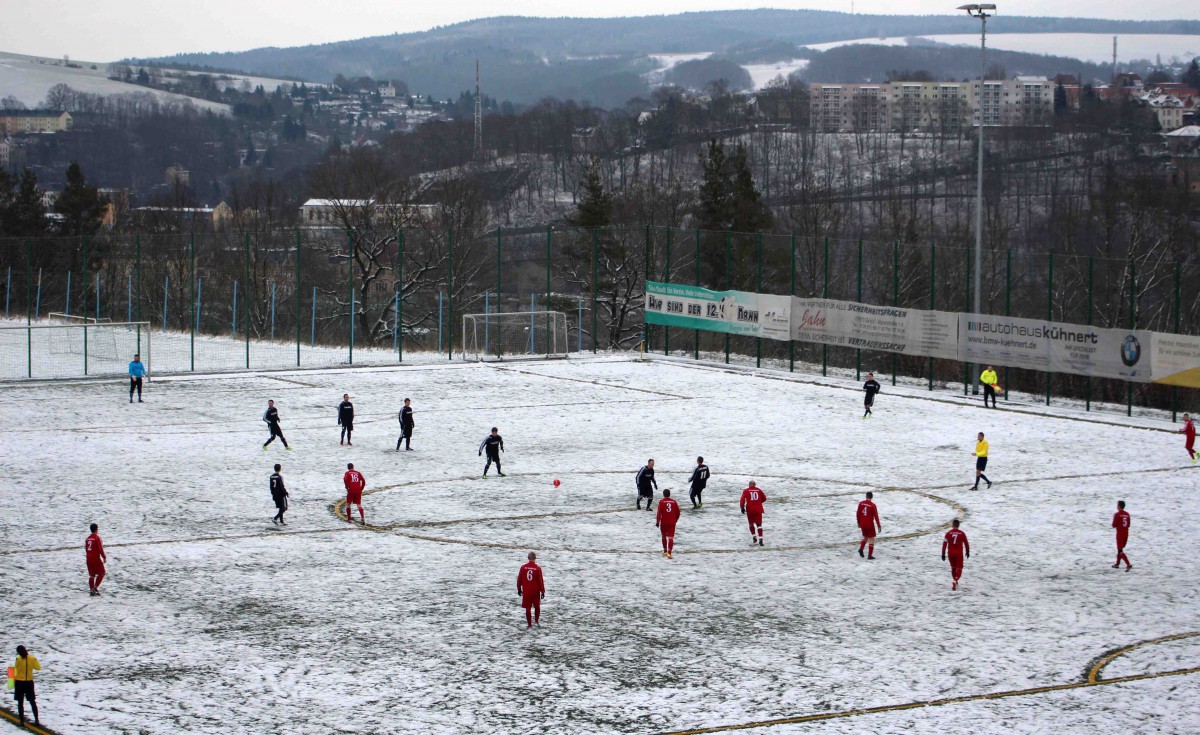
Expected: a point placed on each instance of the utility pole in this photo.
(982, 12)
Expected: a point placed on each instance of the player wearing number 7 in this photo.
(956, 545)
(532, 590)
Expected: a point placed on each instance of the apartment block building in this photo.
(932, 106)
(17, 122)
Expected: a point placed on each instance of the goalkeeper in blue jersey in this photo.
(137, 371)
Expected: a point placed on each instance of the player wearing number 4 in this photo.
(868, 523)
(752, 508)
(668, 516)
(532, 590)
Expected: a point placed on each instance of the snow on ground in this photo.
(214, 621)
(1091, 47)
(764, 73)
(29, 80)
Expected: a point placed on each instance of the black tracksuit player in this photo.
(406, 426)
(646, 485)
(698, 481)
(279, 494)
(870, 388)
(493, 444)
(346, 419)
(271, 418)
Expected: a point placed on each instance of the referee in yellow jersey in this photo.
(981, 455)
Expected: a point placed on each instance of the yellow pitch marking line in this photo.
(1092, 680)
(29, 726)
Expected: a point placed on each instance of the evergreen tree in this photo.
(80, 205)
(25, 215)
(595, 206)
(749, 213)
(1060, 99)
(1191, 75)
(714, 210)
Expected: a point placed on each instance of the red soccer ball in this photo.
(556, 482)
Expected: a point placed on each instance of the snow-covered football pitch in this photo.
(213, 620)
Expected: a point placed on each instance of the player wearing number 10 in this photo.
(752, 507)
(532, 590)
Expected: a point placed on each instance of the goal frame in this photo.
(142, 328)
(479, 347)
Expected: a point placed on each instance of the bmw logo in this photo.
(1131, 351)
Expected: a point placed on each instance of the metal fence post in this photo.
(400, 295)
(1132, 325)
(1090, 262)
(296, 298)
(967, 381)
(549, 240)
(166, 299)
(895, 292)
(233, 322)
(595, 275)
(28, 303)
(350, 265)
(439, 321)
(758, 340)
(500, 284)
(667, 277)
(312, 325)
(646, 334)
(1008, 301)
(858, 350)
(728, 278)
(199, 309)
(139, 294)
(272, 310)
(83, 311)
(825, 295)
(450, 294)
(195, 309)
(696, 349)
(249, 292)
(932, 295)
(792, 293)
(67, 306)
(1049, 313)
(1178, 288)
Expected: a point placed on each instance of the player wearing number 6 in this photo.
(532, 590)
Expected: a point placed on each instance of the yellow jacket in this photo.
(981, 448)
(989, 377)
(25, 667)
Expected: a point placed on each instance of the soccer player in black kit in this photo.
(406, 426)
(494, 445)
(870, 388)
(271, 417)
(279, 494)
(698, 482)
(645, 479)
(346, 419)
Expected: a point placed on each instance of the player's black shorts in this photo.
(869, 401)
(24, 689)
(645, 492)
(981, 463)
(348, 425)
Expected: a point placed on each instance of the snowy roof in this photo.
(32, 113)
(338, 203)
(1190, 131)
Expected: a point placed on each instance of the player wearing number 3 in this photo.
(532, 590)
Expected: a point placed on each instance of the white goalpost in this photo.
(81, 346)
(514, 335)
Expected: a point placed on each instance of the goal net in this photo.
(71, 348)
(515, 334)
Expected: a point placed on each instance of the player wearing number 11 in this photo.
(532, 590)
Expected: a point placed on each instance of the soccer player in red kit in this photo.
(96, 558)
(957, 545)
(1189, 434)
(752, 507)
(668, 514)
(355, 483)
(868, 523)
(532, 590)
(1121, 523)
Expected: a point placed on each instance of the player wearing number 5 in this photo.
(532, 590)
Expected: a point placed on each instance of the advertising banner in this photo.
(1055, 347)
(732, 312)
(885, 328)
(1175, 359)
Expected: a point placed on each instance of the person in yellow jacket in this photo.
(24, 668)
(981, 455)
(989, 379)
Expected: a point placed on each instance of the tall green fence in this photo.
(324, 297)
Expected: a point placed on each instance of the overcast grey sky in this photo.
(103, 31)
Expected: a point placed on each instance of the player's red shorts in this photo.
(354, 497)
(95, 567)
(867, 531)
(667, 530)
(755, 519)
(1122, 539)
(531, 599)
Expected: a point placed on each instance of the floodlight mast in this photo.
(982, 12)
